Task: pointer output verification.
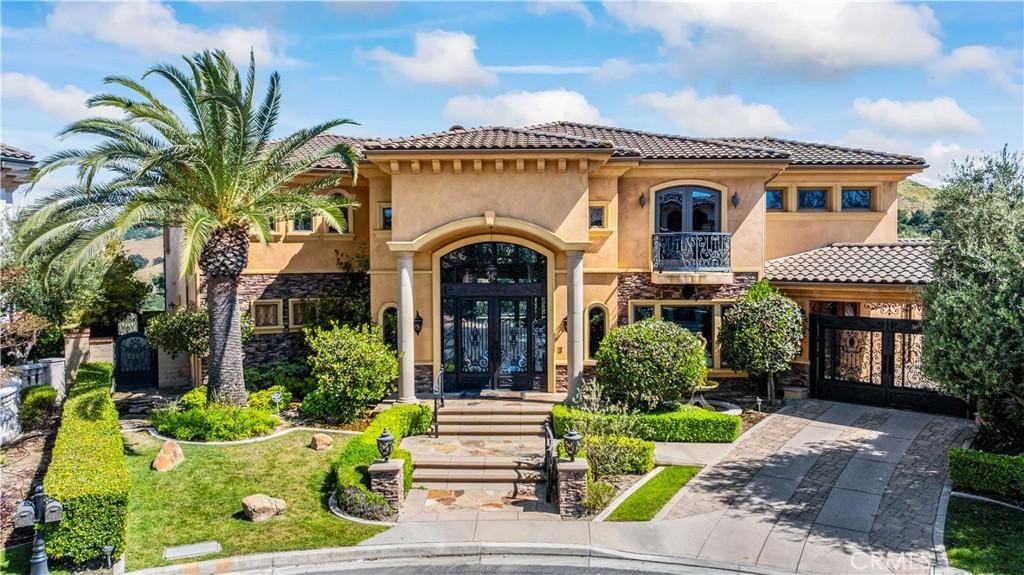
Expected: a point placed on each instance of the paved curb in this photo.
(339, 558)
(614, 503)
(985, 499)
(939, 528)
(274, 435)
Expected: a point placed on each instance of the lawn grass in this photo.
(984, 538)
(646, 501)
(200, 499)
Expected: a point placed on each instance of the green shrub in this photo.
(88, 474)
(613, 455)
(263, 399)
(688, 423)
(38, 404)
(649, 362)
(599, 495)
(351, 469)
(193, 399)
(216, 422)
(974, 470)
(354, 369)
(293, 375)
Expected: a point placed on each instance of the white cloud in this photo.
(522, 108)
(716, 115)
(940, 157)
(920, 117)
(577, 9)
(616, 69)
(807, 38)
(543, 69)
(152, 28)
(1001, 66)
(67, 103)
(439, 57)
(868, 139)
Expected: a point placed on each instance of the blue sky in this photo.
(941, 80)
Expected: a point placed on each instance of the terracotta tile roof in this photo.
(14, 153)
(653, 146)
(811, 154)
(489, 138)
(327, 141)
(904, 262)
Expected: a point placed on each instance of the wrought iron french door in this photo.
(496, 342)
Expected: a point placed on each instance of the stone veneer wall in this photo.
(268, 347)
(637, 285)
(424, 378)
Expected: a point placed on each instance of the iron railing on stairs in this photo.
(550, 460)
(438, 391)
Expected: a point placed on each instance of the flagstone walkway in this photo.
(818, 487)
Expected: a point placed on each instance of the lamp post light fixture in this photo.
(385, 444)
(573, 440)
(36, 511)
(108, 550)
(417, 323)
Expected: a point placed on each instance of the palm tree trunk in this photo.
(227, 384)
(224, 257)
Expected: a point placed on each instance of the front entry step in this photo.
(428, 475)
(531, 429)
(446, 418)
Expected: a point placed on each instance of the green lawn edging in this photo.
(352, 466)
(689, 424)
(88, 473)
(644, 503)
(983, 472)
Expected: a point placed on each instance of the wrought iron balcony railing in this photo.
(692, 252)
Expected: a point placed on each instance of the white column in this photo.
(406, 334)
(575, 323)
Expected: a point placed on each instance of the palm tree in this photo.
(217, 176)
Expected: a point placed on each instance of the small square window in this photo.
(266, 314)
(385, 218)
(812, 199)
(856, 198)
(597, 217)
(303, 224)
(300, 311)
(775, 199)
(642, 312)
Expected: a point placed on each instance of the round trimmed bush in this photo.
(354, 369)
(650, 362)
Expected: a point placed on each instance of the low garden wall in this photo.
(47, 372)
(88, 473)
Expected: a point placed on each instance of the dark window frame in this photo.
(811, 190)
(870, 195)
(782, 199)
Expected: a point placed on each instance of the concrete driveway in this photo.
(817, 487)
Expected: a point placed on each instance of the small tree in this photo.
(650, 362)
(120, 293)
(974, 308)
(761, 333)
(353, 368)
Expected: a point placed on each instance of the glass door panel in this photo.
(515, 336)
(474, 336)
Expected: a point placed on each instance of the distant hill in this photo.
(150, 249)
(916, 209)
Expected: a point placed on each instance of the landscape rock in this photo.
(261, 507)
(321, 442)
(169, 456)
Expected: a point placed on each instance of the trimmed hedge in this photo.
(983, 472)
(689, 424)
(621, 455)
(38, 404)
(351, 469)
(88, 473)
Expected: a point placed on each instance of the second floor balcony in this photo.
(691, 252)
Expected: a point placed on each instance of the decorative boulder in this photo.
(169, 456)
(321, 442)
(261, 507)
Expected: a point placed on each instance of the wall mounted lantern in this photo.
(643, 200)
(417, 323)
(735, 199)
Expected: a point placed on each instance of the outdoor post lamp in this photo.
(108, 550)
(417, 323)
(385, 444)
(276, 398)
(36, 511)
(572, 444)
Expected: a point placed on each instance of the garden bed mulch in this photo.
(24, 463)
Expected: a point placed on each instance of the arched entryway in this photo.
(494, 315)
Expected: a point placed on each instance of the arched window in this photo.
(688, 209)
(389, 326)
(597, 326)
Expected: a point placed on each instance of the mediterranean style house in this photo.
(506, 254)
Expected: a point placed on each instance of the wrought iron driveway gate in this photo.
(875, 361)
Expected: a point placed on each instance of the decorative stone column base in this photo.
(387, 479)
(572, 487)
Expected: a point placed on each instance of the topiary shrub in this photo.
(351, 469)
(646, 363)
(38, 404)
(88, 473)
(354, 369)
(974, 470)
(615, 455)
(264, 399)
(215, 422)
(686, 423)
